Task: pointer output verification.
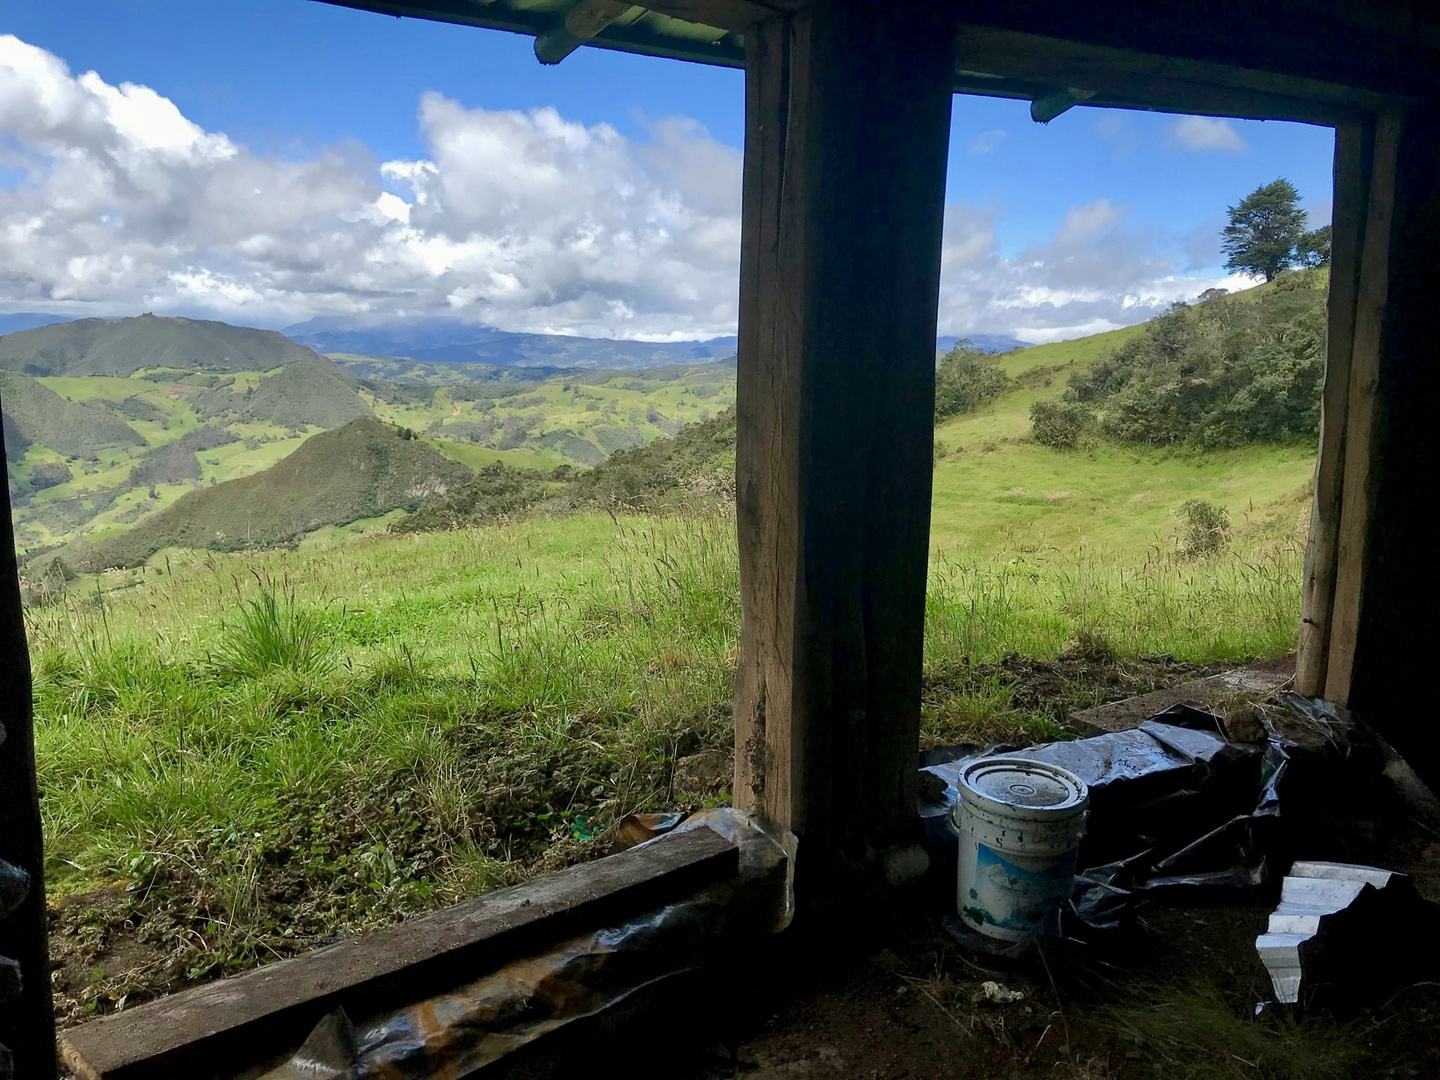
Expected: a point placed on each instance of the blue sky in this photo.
(256, 202)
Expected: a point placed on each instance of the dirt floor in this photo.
(1178, 1006)
(891, 995)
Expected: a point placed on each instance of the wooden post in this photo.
(1386, 674)
(27, 1024)
(847, 133)
(1356, 496)
(1353, 153)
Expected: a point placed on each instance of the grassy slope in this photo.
(69, 511)
(999, 494)
(454, 705)
(358, 471)
(581, 418)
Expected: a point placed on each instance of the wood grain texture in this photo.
(847, 128)
(1164, 82)
(1353, 152)
(1392, 675)
(209, 1030)
(1356, 499)
(27, 1024)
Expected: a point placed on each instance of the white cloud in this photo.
(987, 141)
(1095, 273)
(522, 220)
(1206, 133)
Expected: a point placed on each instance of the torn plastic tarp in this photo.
(466, 1028)
(1173, 804)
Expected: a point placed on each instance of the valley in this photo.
(439, 627)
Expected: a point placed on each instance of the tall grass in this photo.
(485, 689)
(270, 630)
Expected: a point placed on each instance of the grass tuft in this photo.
(270, 631)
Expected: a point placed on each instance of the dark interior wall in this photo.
(1397, 641)
(27, 1024)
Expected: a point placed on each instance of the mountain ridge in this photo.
(363, 469)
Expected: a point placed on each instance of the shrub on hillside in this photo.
(965, 380)
(48, 474)
(1058, 424)
(137, 408)
(169, 464)
(495, 492)
(698, 460)
(204, 438)
(1232, 370)
(1204, 529)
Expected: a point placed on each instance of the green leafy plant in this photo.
(966, 379)
(270, 631)
(1058, 424)
(1205, 529)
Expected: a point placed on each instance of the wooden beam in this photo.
(27, 1022)
(1356, 498)
(642, 37)
(1353, 151)
(581, 23)
(1392, 674)
(1125, 79)
(227, 1025)
(1263, 47)
(847, 129)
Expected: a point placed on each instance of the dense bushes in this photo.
(168, 464)
(496, 491)
(1204, 529)
(1228, 371)
(48, 474)
(965, 380)
(698, 460)
(1058, 424)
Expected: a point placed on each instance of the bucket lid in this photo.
(1028, 785)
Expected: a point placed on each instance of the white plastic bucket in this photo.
(1019, 824)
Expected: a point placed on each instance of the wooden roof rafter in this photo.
(1120, 66)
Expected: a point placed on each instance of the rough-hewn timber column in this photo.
(1390, 678)
(847, 132)
(1354, 153)
(27, 1021)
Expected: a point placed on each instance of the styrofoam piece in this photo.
(1310, 894)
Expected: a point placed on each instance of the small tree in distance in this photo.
(1314, 247)
(1265, 231)
(966, 378)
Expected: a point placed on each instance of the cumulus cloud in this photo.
(987, 141)
(112, 201)
(1096, 273)
(1206, 133)
(521, 220)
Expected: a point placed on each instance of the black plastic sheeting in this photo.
(466, 1028)
(1176, 807)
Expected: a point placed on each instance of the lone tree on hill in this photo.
(1265, 231)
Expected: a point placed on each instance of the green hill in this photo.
(145, 343)
(361, 470)
(310, 392)
(35, 414)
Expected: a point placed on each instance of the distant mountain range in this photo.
(992, 343)
(449, 341)
(124, 346)
(28, 320)
(440, 341)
